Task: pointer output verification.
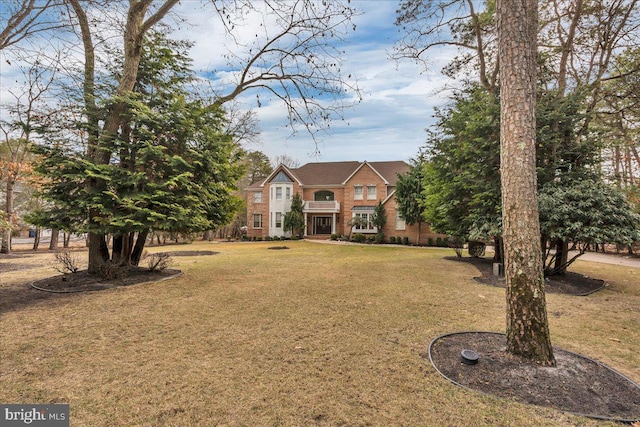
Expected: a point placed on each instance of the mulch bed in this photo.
(569, 283)
(83, 281)
(576, 384)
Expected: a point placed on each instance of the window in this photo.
(257, 197)
(278, 193)
(371, 192)
(357, 192)
(288, 193)
(278, 219)
(401, 224)
(367, 225)
(323, 196)
(257, 220)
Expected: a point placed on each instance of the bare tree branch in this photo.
(22, 19)
(293, 57)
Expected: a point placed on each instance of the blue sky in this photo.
(388, 124)
(398, 98)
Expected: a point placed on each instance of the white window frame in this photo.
(358, 193)
(257, 197)
(369, 228)
(287, 193)
(401, 224)
(372, 195)
(278, 193)
(279, 218)
(259, 217)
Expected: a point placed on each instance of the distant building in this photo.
(332, 193)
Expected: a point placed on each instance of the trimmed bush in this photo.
(392, 240)
(430, 241)
(405, 240)
(359, 238)
(334, 236)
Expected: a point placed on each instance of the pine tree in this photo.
(294, 219)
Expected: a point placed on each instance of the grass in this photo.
(318, 334)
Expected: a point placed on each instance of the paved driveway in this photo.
(609, 259)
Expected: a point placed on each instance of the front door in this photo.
(322, 225)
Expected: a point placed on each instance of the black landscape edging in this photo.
(597, 417)
(71, 291)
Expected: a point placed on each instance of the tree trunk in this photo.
(53, 243)
(5, 247)
(6, 235)
(66, 239)
(138, 248)
(36, 239)
(527, 324)
(116, 248)
(562, 255)
(498, 252)
(127, 248)
(98, 252)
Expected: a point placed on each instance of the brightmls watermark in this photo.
(54, 415)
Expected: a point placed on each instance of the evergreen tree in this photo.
(379, 220)
(408, 195)
(172, 168)
(294, 219)
(461, 179)
(585, 212)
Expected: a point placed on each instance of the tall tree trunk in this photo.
(138, 248)
(116, 248)
(562, 255)
(98, 252)
(527, 324)
(127, 248)
(53, 243)
(36, 238)
(5, 247)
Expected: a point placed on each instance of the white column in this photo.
(305, 223)
(333, 223)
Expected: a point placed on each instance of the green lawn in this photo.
(328, 335)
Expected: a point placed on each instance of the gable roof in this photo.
(391, 170)
(327, 173)
(337, 173)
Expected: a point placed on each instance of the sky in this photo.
(398, 98)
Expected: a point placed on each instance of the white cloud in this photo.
(389, 122)
(398, 102)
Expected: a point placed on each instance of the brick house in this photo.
(332, 193)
